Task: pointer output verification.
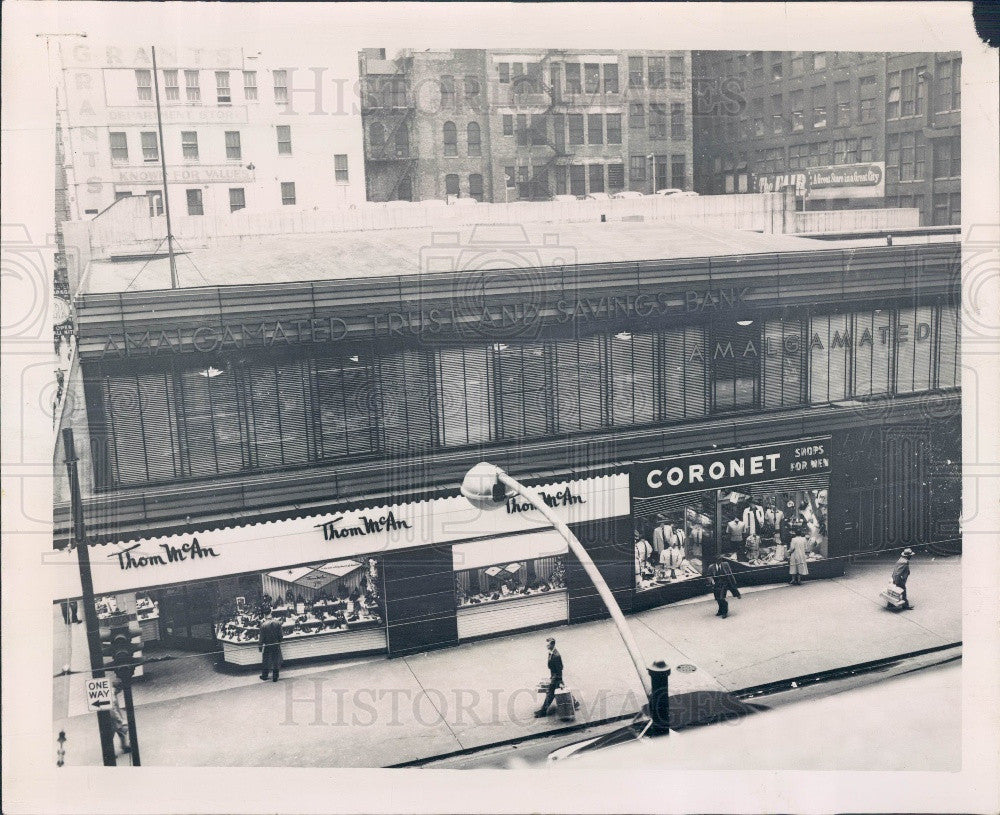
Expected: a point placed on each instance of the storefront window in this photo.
(735, 365)
(578, 367)
(683, 373)
(212, 431)
(631, 364)
(341, 595)
(949, 348)
(829, 357)
(760, 526)
(914, 349)
(141, 416)
(347, 417)
(781, 374)
(670, 545)
(872, 356)
(276, 396)
(523, 390)
(463, 396)
(509, 581)
(405, 386)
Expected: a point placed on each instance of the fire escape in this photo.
(533, 91)
(388, 109)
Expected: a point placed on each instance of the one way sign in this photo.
(99, 693)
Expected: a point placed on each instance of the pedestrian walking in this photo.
(270, 647)
(797, 563)
(901, 573)
(555, 666)
(722, 581)
(118, 717)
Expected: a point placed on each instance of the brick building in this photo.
(505, 125)
(773, 115)
(231, 136)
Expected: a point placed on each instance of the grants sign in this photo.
(729, 468)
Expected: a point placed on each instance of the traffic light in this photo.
(121, 644)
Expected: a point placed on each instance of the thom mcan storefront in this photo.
(368, 579)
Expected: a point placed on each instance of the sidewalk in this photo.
(381, 712)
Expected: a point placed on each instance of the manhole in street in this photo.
(686, 669)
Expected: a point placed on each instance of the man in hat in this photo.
(901, 574)
(555, 665)
(722, 581)
(269, 645)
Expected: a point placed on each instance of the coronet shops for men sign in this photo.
(727, 468)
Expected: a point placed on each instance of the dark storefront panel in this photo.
(609, 543)
(420, 599)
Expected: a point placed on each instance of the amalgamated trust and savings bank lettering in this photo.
(419, 321)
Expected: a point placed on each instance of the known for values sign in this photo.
(728, 468)
(866, 180)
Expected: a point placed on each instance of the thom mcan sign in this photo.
(728, 468)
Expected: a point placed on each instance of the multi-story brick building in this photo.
(231, 136)
(504, 125)
(762, 116)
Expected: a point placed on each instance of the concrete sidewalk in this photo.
(382, 712)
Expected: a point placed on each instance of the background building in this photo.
(766, 114)
(239, 133)
(505, 125)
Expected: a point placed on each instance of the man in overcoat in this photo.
(555, 665)
(269, 645)
(901, 573)
(720, 576)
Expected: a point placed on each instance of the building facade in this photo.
(239, 134)
(506, 125)
(859, 129)
(308, 459)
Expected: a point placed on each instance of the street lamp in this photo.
(486, 486)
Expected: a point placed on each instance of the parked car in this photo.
(628, 194)
(670, 191)
(598, 196)
(565, 198)
(687, 194)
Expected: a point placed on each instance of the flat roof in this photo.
(342, 255)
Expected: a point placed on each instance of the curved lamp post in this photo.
(486, 486)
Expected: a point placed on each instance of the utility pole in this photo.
(163, 169)
(104, 723)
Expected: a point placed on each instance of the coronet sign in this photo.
(728, 468)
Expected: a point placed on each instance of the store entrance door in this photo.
(186, 614)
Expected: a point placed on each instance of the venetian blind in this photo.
(914, 346)
(405, 389)
(211, 421)
(949, 348)
(872, 353)
(578, 384)
(682, 372)
(463, 396)
(631, 368)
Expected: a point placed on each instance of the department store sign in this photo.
(729, 468)
(866, 180)
(351, 533)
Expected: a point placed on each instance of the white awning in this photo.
(509, 550)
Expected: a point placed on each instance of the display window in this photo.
(321, 598)
(508, 581)
(767, 505)
(669, 545)
(762, 526)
